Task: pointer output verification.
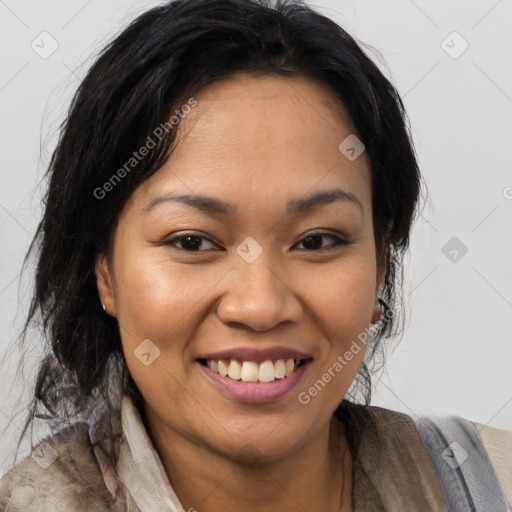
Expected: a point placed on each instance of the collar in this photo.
(391, 468)
(139, 467)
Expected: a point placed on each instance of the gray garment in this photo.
(462, 465)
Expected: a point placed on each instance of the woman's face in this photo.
(231, 252)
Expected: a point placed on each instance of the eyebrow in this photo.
(323, 198)
(215, 206)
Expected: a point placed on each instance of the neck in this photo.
(318, 477)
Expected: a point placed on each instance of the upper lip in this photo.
(256, 355)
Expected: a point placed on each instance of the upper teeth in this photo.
(249, 371)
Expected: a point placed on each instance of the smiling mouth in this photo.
(250, 371)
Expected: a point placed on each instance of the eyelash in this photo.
(338, 241)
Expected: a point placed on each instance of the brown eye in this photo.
(315, 242)
(191, 243)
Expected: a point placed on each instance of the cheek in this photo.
(343, 296)
(342, 304)
(159, 305)
(162, 302)
(152, 295)
(145, 298)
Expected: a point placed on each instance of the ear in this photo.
(104, 283)
(382, 263)
(381, 273)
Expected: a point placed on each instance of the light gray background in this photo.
(456, 355)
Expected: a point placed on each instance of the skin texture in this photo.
(255, 142)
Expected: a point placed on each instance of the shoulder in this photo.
(61, 473)
(498, 443)
(371, 420)
(474, 462)
(391, 466)
(471, 461)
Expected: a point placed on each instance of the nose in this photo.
(258, 298)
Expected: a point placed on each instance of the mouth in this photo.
(261, 372)
(254, 377)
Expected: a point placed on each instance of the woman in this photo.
(228, 209)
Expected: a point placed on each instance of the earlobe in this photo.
(377, 312)
(105, 285)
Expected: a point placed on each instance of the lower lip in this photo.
(254, 392)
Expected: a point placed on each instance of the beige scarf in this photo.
(391, 470)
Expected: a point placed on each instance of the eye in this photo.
(314, 242)
(191, 242)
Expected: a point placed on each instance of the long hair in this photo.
(135, 85)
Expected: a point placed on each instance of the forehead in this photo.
(285, 109)
(262, 138)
